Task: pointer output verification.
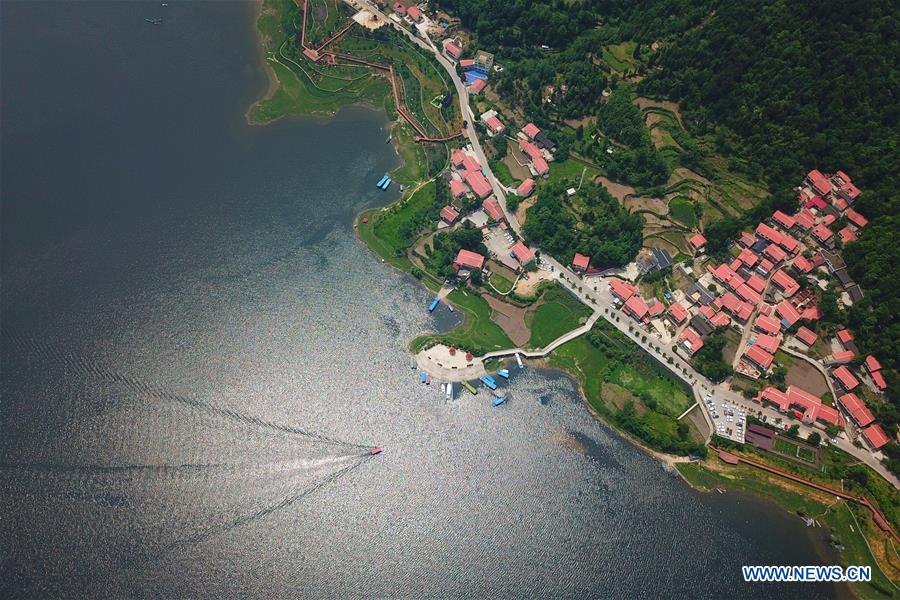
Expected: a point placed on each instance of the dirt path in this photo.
(523, 207)
(511, 319)
(672, 106)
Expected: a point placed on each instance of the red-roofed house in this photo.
(840, 358)
(769, 233)
(757, 283)
(847, 379)
(816, 203)
(698, 242)
(823, 234)
(580, 262)
(530, 149)
(819, 182)
(526, 187)
(690, 341)
(494, 123)
(470, 163)
(829, 219)
(788, 313)
(311, 54)
(457, 188)
(522, 253)
(775, 253)
(767, 324)
(748, 257)
(800, 400)
(540, 166)
(841, 204)
(467, 259)
(531, 130)
(765, 266)
(879, 380)
(414, 13)
(769, 343)
(806, 336)
(790, 244)
(492, 208)
(857, 219)
(849, 192)
(747, 239)
(678, 313)
(655, 309)
(811, 313)
(872, 364)
(452, 49)
(477, 86)
(458, 157)
(478, 183)
(449, 214)
(637, 308)
(748, 293)
(786, 283)
(858, 410)
(875, 436)
(845, 337)
(805, 220)
(759, 357)
(773, 396)
(803, 265)
(621, 289)
(720, 319)
(847, 235)
(784, 219)
(467, 62)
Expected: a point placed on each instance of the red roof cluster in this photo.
(787, 284)
(857, 409)
(622, 289)
(799, 399)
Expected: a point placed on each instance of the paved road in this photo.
(600, 298)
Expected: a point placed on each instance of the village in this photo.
(764, 298)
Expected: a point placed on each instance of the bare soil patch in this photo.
(511, 319)
(618, 190)
(523, 207)
(516, 169)
(654, 205)
(656, 242)
(526, 287)
(806, 376)
(648, 103)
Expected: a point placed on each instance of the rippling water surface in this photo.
(197, 354)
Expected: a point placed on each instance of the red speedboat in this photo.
(375, 451)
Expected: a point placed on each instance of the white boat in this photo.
(519, 360)
(449, 391)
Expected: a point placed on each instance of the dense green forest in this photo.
(592, 223)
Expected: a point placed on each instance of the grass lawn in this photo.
(389, 224)
(570, 170)
(682, 210)
(620, 57)
(414, 164)
(501, 283)
(558, 314)
(478, 333)
(502, 172)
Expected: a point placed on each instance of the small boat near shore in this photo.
(423, 376)
(375, 451)
(469, 387)
(519, 360)
(449, 390)
(499, 401)
(504, 373)
(412, 363)
(427, 379)
(434, 304)
(489, 381)
(382, 181)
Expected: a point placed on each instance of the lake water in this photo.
(197, 354)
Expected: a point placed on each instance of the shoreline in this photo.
(668, 461)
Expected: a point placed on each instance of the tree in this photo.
(793, 430)
(814, 438)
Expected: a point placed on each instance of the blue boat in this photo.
(489, 381)
(386, 184)
(423, 376)
(381, 181)
(434, 304)
(499, 401)
(503, 373)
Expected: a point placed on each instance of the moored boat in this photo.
(499, 401)
(503, 373)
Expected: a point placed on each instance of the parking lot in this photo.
(729, 419)
(498, 243)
